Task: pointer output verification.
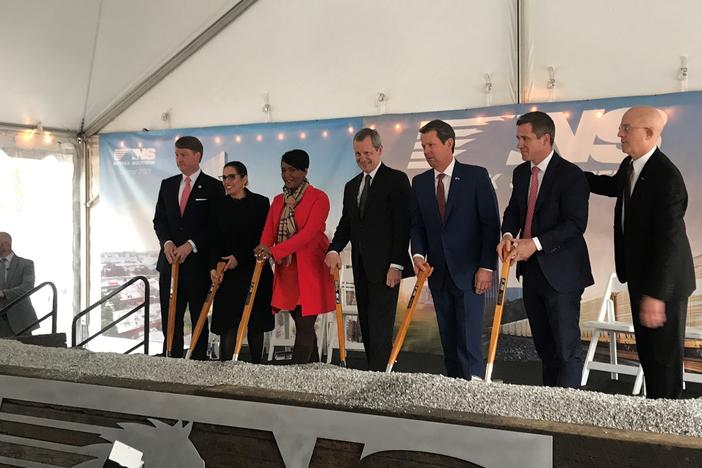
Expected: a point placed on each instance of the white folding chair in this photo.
(692, 333)
(606, 323)
(283, 334)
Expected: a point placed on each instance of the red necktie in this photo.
(441, 196)
(531, 203)
(184, 196)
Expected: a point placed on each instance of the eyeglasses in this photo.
(228, 177)
(626, 128)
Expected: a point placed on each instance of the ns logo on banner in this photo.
(134, 156)
(594, 137)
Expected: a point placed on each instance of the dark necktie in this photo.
(628, 180)
(364, 195)
(441, 196)
(3, 272)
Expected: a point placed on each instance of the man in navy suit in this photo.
(181, 223)
(455, 224)
(548, 210)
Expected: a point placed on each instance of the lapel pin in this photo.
(456, 178)
(199, 186)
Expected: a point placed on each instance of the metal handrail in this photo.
(144, 304)
(24, 296)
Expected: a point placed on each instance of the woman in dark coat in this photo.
(237, 223)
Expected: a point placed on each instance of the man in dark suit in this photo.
(376, 219)
(181, 223)
(652, 252)
(455, 225)
(548, 209)
(16, 278)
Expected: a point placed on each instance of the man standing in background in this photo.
(16, 278)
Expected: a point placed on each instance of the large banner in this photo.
(132, 165)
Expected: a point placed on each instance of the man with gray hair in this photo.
(376, 219)
(16, 278)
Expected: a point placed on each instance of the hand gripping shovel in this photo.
(411, 307)
(205, 309)
(244, 323)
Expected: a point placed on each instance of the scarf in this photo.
(287, 227)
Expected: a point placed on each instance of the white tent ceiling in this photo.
(66, 61)
(46, 52)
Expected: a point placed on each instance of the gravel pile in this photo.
(374, 390)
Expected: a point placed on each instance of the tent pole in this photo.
(519, 50)
(147, 84)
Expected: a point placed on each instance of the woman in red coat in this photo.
(294, 236)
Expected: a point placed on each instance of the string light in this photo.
(259, 138)
(566, 115)
(534, 108)
(121, 144)
(325, 134)
(237, 138)
(398, 127)
(218, 140)
(28, 135)
(599, 114)
(303, 136)
(350, 129)
(281, 136)
(48, 138)
(372, 127)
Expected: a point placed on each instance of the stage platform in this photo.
(65, 407)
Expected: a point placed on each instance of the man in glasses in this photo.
(651, 248)
(181, 223)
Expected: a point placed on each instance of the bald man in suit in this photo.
(651, 248)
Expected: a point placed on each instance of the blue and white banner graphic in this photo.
(133, 164)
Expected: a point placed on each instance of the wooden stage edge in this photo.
(573, 445)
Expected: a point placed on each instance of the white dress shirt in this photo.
(363, 182)
(638, 165)
(358, 200)
(448, 172)
(181, 188)
(543, 165)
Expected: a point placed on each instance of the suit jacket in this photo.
(309, 244)
(193, 225)
(652, 253)
(560, 220)
(466, 240)
(381, 237)
(20, 279)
